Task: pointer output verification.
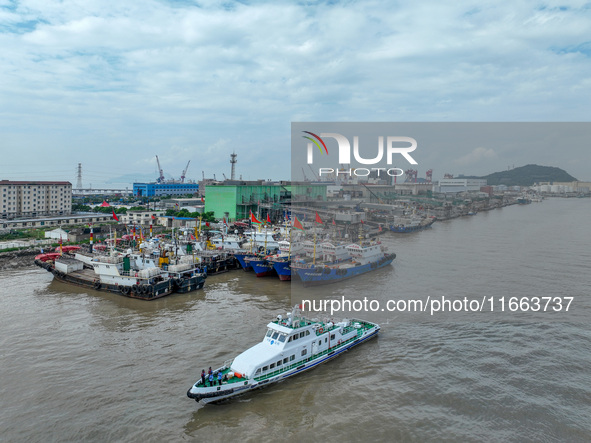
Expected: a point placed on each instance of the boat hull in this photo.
(184, 285)
(241, 259)
(283, 269)
(326, 275)
(262, 268)
(409, 229)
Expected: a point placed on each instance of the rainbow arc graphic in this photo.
(316, 142)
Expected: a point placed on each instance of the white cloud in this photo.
(478, 155)
(142, 78)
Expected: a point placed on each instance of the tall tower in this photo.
(79, 181)
(233, 161)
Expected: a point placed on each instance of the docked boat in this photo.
(523, 200)
(231, 242)
(261, 266)
(291, 345)
(241, 257)
(262, 241)
(282, 262)
(414, 224)
(283, 268)
(123, 275)
(364, 258)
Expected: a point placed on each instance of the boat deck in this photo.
(86, 274)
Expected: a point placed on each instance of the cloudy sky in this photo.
(112, 84)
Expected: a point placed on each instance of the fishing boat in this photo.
(263, 241)
(292, 344)
(365, 258)
(523, 200)
(261, 266)
(231, 242)
(413, 224)
(241, 257)
(282, 267)
(282, 261)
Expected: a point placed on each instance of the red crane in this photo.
(411, 174)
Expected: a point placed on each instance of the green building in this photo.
(236, 199)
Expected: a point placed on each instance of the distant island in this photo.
(528, 175)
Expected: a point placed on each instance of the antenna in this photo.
(79, 181)
(233, 161)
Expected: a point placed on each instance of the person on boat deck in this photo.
(211, 379)
(220, 378)
(203, 377)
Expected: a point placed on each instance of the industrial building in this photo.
(145, 218)
(236, 199)
(161, 189)
(454, 185)
(79, 219)
(34, 198)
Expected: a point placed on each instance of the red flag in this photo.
(268, 218)
(297, 224)
(114, 216)
(362, 221)
(253, 219)
(333, 222)
(318, 219)
(207, 224)
(202, 200)
(153, 218)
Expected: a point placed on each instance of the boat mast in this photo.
(314, 256)
(265, 251)
(361, 234)
(289, 249)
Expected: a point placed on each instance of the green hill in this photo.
(528, 175)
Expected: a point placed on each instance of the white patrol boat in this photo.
(291, 345)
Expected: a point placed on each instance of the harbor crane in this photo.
(184, 174)
(161, 177)
(304, 174)
(313, 173)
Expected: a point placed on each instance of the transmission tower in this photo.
(79, 181)
(233, 161)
